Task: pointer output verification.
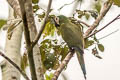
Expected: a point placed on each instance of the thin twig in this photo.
(15, 65)
(43, 26)
(109, 34)
(103, 27)
(105, 9)
(62, 65)
(66, 5)
(79, 21)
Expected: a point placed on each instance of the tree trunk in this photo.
(33, 33)
(37, 59)
(12, 50)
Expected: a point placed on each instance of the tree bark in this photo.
(33, 33)
(12, 50)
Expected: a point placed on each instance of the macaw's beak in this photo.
(56, 23)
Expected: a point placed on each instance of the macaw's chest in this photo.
(71, 35)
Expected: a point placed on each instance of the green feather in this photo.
(72, 35)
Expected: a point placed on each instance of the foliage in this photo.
(117, 2)
(101, 47)
(52, 53)
(97, 46)
(87, 14)
(2, 22)
(97, 6)
(35, 1)
(52, 50)
(35, 7)
(48, 77)
(82, 13)
(24, 61)
(49, 30)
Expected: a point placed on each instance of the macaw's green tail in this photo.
(81, 62)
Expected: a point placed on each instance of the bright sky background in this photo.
(106, 69)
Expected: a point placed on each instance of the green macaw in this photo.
(72, 35)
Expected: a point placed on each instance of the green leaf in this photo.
(96, 39)
(49, 62)
(117, 2)
(80, 13)
(41, 15)
(24, 62)
(49, 30)
(49, 77)
(64, 52)
(79, 16)
(35, 1)
(2, 22)
(35, 8)
(101, 47)
(87, 16)
(97, 6)
(56, 64)
(88, 43)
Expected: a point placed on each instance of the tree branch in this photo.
(109, 34)
(24, 6)
(105, 9)
(62, 65)
(44, 23)
(66, 5)
(24, 18)
(79, 21)
(15, 5)
(15, 65)
(104, 26)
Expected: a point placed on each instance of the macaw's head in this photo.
(60, 20)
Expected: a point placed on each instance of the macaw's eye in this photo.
(56, 19)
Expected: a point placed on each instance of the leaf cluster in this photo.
(2, 22)
(97, 46)
(52, 53)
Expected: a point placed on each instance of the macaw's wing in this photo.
(72, 35)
